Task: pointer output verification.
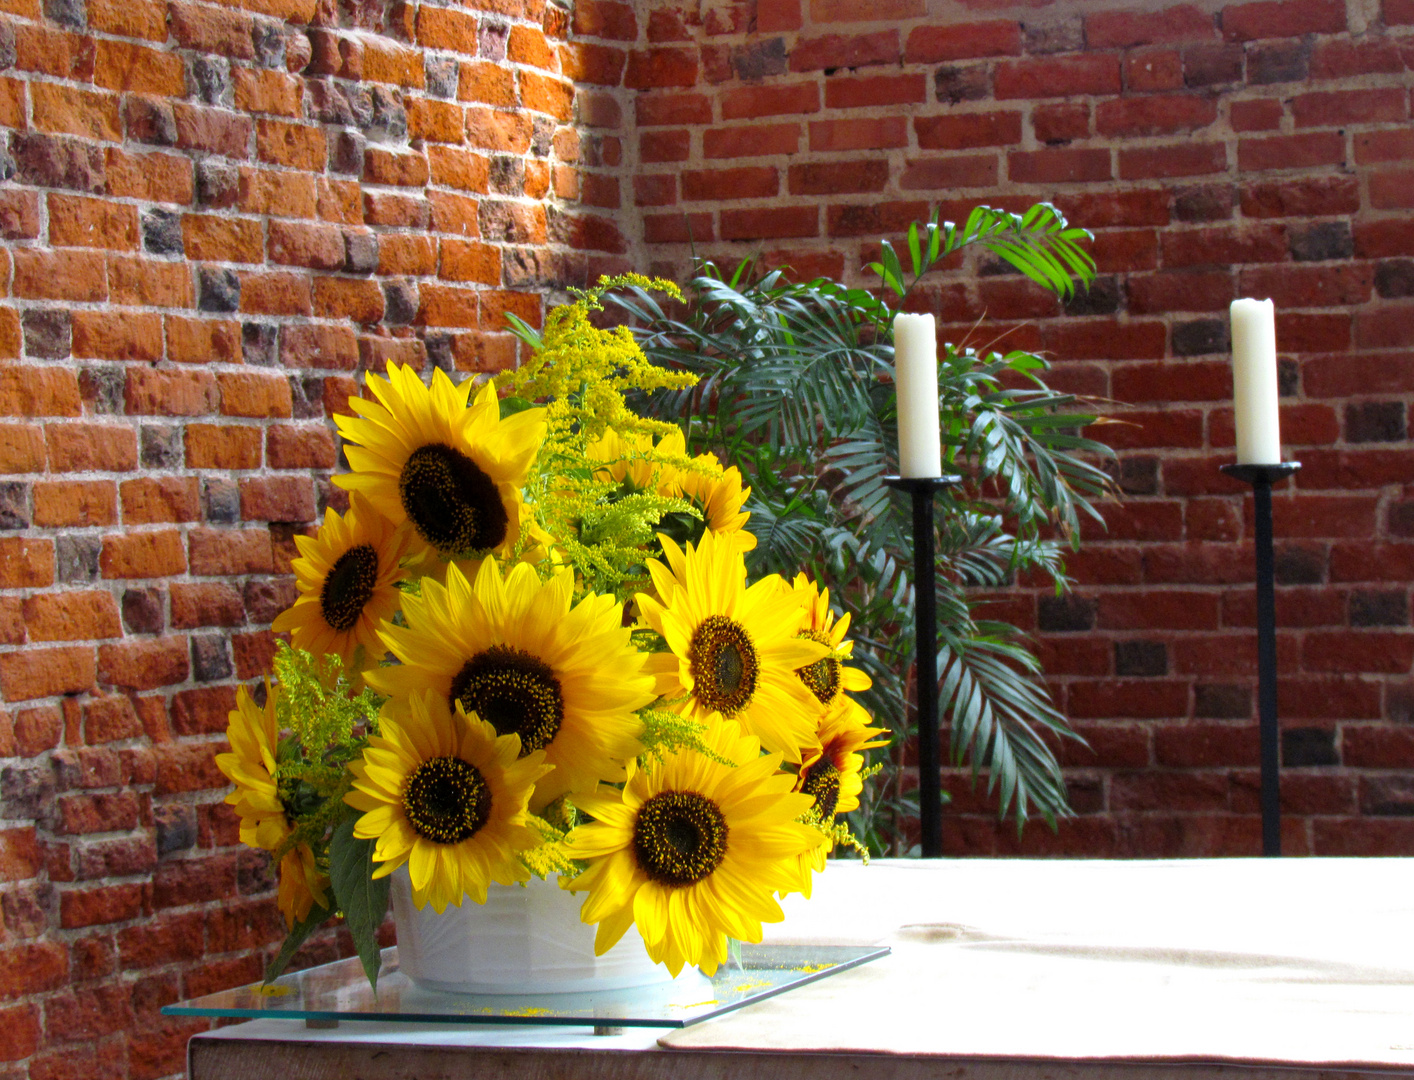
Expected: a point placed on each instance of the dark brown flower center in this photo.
(679, 837)
(349, 586)
(446, 800)
(822, 781)
(821, 678)
(514, 692)
(723, 664)
(453, 505)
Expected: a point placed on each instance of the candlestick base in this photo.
(930, 795)
(922, 483)
(1256, 474)
(1261, 477)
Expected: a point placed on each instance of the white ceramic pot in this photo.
(524, 940)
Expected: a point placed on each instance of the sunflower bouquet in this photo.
(530, 647)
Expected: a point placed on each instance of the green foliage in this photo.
(362, 898)
(294, 939)
(795, 386)
(666, 732)
(317, 700)
(581, 373)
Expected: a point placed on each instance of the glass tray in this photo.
(339, 991)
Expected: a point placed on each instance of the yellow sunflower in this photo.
(715, 491)
(254, 735)
(567, 680)
(692, 851)
(451, 471)
(442, 792)
(348, 578)
(832, 775)
(828, 677)
(623, 459)
(734, 650)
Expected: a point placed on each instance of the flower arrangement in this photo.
(529, 647)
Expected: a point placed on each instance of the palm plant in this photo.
(796, 389)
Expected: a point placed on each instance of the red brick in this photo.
(672, 109)
(1283, 18)
(1263, 114)
(253, 653)
(960, 131)
(212, 447)
(169, 393)
(109, 719)
(277, 498)
(109, 335)
(97, 906)
(26, 563)
(72, 616)
(1128, 698)
(1058, 166)
(874, 133)
(75, 503)
(255, 395)
(1343, 58)
(203, 341)
(297, 146)
(1309, 286)
(770, 223)
(30, 969)
(1302, 197)
(320, 247)
(660, 67)
(36, 673)
(1047, 78)
(470, 260)
(222, 239)
(144, 664)
(72, 111)
(962, 41)
(1291, 151)
(59, 275)
(1390, 189)
(758, 140)
(1180, 291)
(677, 228)
(259, 91)
(837, 178)
(1340, 107)
(213, 131)
(720, 184)
(845, 51)
(149, 500)
(953, 171)
(227, 552)
(149, 283)
(77, 221)
(142, 555)
(21, 448)
(155, 177)
(1192, 380)
(1224, 245)
(1154, 115)
(1125, 29)
(1185, 159)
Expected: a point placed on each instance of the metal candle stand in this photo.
(1261, 477)
(930, 799)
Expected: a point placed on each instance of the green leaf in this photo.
(294, 939)
(512, 405)
(363, 900)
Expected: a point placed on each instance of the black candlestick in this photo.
(930, 795)
(1261, 477)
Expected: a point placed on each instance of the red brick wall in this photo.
(213, 217)
(1257, 149)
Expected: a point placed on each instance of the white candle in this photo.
(916, 382)
(1254, 382)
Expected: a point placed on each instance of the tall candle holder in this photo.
(1261, 477)
(925, 609)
